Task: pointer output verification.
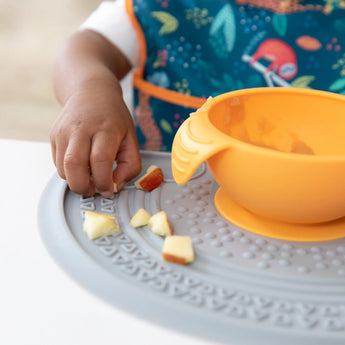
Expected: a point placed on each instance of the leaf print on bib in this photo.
(338, 85)
(280, 23)
(223, 27)
(166, 127)
(303, 82)
(170, 23)
(226, 84)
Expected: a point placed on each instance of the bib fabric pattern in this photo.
(196, 49)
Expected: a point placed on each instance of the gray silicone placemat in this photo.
(242, 288)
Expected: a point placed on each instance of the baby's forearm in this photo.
(86, 60)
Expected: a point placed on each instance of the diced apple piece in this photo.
(115, 187)
(160, 225)
(140, 218)
(152, 179)
(178, 249)
(97, 224)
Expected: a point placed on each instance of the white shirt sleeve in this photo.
(112, 21)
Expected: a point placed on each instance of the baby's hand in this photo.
(94, 129)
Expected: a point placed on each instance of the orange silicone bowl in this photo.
(277, 152)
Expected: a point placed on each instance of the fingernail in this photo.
(107, 194)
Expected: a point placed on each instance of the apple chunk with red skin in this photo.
(98, 224)
(160, 224)
(152, 179)
(178, 249)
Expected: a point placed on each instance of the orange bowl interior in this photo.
(305, 123)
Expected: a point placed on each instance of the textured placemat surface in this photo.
(242, 287)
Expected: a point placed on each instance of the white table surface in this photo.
(39, 303)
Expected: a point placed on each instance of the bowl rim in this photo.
(212, 101)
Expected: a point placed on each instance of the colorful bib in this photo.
(195, 49)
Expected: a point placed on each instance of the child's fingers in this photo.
(76, 165)
(103, 152)
(56, 154)
(59, 160)
(128, 163)
(53, 149)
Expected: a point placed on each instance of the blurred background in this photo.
(31, 33)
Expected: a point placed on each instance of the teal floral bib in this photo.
(196, 49)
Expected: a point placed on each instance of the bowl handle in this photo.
(195, 141)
